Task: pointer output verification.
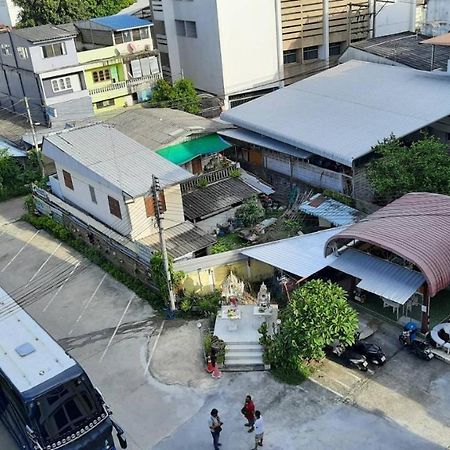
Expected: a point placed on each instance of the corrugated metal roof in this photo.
(44, 33)
(115, 157)
(264, 141)
(379, 276)
(341, 113)
(46, 361)
(302, 255)
(12, 150)
(181, 240)
(331, 210)
(415, 227)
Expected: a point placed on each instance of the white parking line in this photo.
(87, 304)
(43, 264)
(116, 329)
(326, 387)
(153, 349)
(60, 287)
(20, 251)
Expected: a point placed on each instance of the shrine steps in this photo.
(243, 356)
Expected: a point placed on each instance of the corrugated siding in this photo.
(415, 227)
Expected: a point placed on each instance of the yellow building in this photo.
(120, 63)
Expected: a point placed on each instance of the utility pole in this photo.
(33, 133)
(326, 32)
(156, 191)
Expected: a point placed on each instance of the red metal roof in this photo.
(415, 227)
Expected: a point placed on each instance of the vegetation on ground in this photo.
(424, 166)
(210, 341)
(181, 95)
(342, 198)
(159, 278)
(251, 212)
(41, 12)
(228, 242)
(317, 315)
(15, 178)
(200, 305)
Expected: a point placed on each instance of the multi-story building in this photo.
(41, 63)
(203, 40)
(118, 56)
(9, 13)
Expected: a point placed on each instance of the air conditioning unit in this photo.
(148, 48)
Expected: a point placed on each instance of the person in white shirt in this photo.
(215, 426)
(259, 430)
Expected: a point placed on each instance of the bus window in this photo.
(65, 409)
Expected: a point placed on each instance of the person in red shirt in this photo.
(248, 410)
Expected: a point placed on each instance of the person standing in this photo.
(259, 430)
(215, 426)
(248, 410)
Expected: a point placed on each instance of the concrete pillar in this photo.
(325, 52)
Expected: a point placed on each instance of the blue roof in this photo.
(331, 210)
(121, 22)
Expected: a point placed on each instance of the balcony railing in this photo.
(131, 85)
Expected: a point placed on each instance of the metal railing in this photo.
(130, 84)
(206, 178)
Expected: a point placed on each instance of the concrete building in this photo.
(199, 40)
(433, 17)
(9, 13)
(121, 65)
(322, 130)
(41, 63)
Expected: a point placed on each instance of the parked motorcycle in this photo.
(349, 357)
(420, 348)
(373, 352)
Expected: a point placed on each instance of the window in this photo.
(335, 49)
(101, 75)
(92, 192)
(105, 103)
(191, 29)
(118, 38)
(289, 56)
(310, 53)
(150, 205)
(6, 49)
(114, 207)
(61, 84)
(131, 35)
(181, 29)
(22, 52)
(144, 33)
(126, 36)
(51, 50)
(68, 179)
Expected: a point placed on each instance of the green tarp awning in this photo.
(187, 151)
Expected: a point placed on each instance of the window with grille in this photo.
(310, 53)
(51, 50)
(101, 75)
(335, 48)
(114, 207)
(61, 84)
(6, 49)
(289, 56)
(92, 192)
(22, 52)
(67, 179)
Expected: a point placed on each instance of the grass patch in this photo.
(228, 242)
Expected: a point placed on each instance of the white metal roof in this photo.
(301, 255)
(114, 157)
(17, 328)
(342, 112)
(379, 276)
(12, 150)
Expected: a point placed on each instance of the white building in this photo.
(396, 16)
(203, 40)
(9, 13)
(434, 17)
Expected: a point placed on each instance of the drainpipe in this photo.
(279, 27)
(326, 32)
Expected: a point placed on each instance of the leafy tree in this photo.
(181, 95)
(41, 12)
(422, 167)
(158, 275)
(251, 212)
(317, 315)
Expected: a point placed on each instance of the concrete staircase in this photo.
(243, 357)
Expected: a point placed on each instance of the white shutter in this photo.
(145, 65)
(154, 66)
(136, 68)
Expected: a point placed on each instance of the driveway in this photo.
(150, 372)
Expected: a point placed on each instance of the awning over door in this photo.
(187, 151)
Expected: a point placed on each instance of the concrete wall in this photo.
(394, 17)
(435, 18)
(9, 13)
(207, 280)
(361, 55)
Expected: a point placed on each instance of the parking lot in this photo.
(150, 372)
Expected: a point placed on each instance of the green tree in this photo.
(424, 166)
(181, 95)
(41, 12)
(251, 212)
(317, 315)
